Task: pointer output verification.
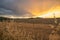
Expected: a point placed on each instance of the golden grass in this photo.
(23, 31)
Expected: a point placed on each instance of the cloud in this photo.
(6, 12)
(13, 7)
(26, 7)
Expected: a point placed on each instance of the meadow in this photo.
(24, 31)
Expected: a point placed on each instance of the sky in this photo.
(29, 8)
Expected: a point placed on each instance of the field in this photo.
(23, 30)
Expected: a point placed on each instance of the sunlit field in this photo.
(29, 19)
(24, 30)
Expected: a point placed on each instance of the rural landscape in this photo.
(26, 29)
(29, 19)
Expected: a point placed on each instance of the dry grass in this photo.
(24, 31)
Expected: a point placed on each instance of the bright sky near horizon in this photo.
(30, 8)
(51, 12)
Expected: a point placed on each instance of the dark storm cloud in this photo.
(13, 7)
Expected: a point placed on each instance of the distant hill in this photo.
(31, 20)
(4, 19)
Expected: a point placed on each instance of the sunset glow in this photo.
(49, 13)
(30, 8)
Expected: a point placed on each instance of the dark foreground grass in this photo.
(24, 31)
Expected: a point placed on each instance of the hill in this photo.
(31, 20)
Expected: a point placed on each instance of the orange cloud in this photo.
(38, 8)
(49, 14)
